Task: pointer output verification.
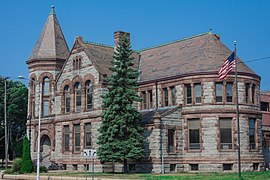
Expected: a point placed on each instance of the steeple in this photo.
(51, 44)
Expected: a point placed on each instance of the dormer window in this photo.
(77, 63)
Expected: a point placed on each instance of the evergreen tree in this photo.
(27, 166)
(120, 131)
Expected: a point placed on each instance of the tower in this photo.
(44, 63)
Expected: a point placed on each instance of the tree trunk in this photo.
(125, 166)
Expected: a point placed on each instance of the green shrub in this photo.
(9, 171)
(27, 166)
(42, 169)
(16, 165)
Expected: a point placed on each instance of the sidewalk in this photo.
(34, 177)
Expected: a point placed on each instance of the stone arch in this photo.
(45, 140)
(32, 76)
(77, 79)
(45, 74)
(47, 132)
(64, 83)
(89, 77)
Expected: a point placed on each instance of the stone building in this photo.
(188, 114)
(265, 101)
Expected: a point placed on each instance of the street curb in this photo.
(33, 177)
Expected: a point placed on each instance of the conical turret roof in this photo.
(51, 43)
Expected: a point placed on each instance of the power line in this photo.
(254, 60)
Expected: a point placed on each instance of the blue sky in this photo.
(150, 22)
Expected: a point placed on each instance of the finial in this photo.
(52, 10)
(210, 31)
(234, 42)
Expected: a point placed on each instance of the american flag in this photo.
(226, 67)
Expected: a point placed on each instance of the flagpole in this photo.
(237, 113)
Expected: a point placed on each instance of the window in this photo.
(33, 108)
(78, 100)
(150, 99)
(144, 100)
(86, 167)
(66, 138)
(173, 95)
(219, 92)
(194, 133)
(172, 167)
(253, 94)
(255, 166)
(171, 140)
(45, 96)
(198, 93)
(227, 167)
(229, 92)
(188, 94)
(194, 167)
(77, 138)
(75, 167)
(89, 95)
(264, 106)
(252, 133)
(33, 96)
(165, 97)
(46, 86)
(45, 108)
(225, 133)
(77, 63)
(87, 135)
(247, 92)
(132, 168)
(67, 99)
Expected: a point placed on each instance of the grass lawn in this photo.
(225, 176)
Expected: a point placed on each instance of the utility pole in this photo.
(5, 116)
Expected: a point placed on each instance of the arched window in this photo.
(45, 96)
(78, 98)
(46, 86)
(89, 95)
(33, 96)
(67, 99)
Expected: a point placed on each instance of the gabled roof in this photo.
(102, 55)
(197, 54)
(51, 43)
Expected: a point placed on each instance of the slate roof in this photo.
(197, 54)
(102, 55)
(51, 43)
(147, 116)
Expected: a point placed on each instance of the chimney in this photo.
(118, 34)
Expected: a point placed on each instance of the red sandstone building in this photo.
(265, 101)
(194, 127)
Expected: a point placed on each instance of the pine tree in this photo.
(27, 166)
(120, 131)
